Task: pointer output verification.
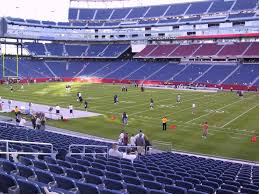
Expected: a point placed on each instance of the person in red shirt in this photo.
(205, 128)
(126, 139)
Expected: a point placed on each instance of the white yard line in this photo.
(217, 109)
(239, 116)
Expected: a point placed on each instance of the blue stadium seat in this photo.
(249, 191)
(26, 172)
(114, 176)
(95, 171)
(194, 181)
(79, 167)
(133, 189)
(153, 191)
(192, 191)
(75, 174)
(146, 176)
(84, 162)
(28, 187)
(224, 191)
(59, 170)
(94, 179)
(45, 178)
(204, 188)
(152, 185)
(132, 180)
(9, 167)
(87, 188)
(175, 189)
(164, 180)
(108, 191)
(113, 184)
(66, 184)
(8, 184)
(41, 165)
(184, 184)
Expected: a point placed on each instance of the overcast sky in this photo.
(57, 10)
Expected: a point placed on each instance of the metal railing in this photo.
(70, 151)
(163, 146)
(7, 152)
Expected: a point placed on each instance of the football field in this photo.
(232, 120)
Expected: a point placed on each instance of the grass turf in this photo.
(232, 121)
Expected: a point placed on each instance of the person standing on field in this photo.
(205, 128)
(164, 121)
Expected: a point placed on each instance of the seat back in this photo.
(28, 187)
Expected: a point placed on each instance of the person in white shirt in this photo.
(132, 140)
(129, 156)
(193, 108)
(71, 111)
(57, 109)
(22, 122)
(115, 152)
(121, 137)
(140, 132)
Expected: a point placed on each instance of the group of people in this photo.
(124, 88)
(80, 99)
(139, 142)
(38, 121)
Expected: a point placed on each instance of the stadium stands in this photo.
(213, 73)
(156, 173)
(91, 51)
(213, 50)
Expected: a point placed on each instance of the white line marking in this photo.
(239, 116)
(216, 109)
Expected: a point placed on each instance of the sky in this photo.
(57, 10)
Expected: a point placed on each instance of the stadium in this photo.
(129, 96)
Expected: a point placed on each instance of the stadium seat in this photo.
(95, 171)
(146, 176)
(8, 184)
(184, 184)
(66, 184)
(133, 189)
(212, 184)
(26, 172)
(132, 180)
(224, 191)
(129, 173)
(152, 185)
(175, 189)
(113, 184)
(9, 167)
(164, 180)
(229, 187)
(75, 174)
(113, 169)
(40, 164)
(153, 191)
(28, 187)
(87, 188)
(204, 188)
(192, 191)
(194, 181)
(45, 178)
(93, 179)
(113, 176)
(56, 169)
(249, 191)
(79, 167)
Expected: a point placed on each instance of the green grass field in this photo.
(232, 121)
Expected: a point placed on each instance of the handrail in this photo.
(7, 152)
(166, 146)
(85, 146)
